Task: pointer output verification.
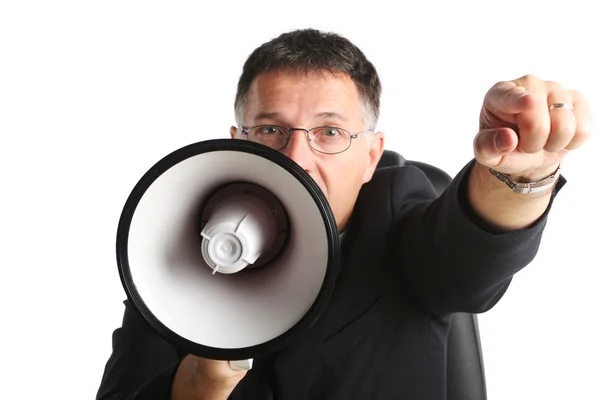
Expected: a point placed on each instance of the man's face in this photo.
(299, 101)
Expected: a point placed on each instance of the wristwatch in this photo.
(528, 187)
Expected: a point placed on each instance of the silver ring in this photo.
(560, 105)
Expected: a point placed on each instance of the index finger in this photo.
(506, 99)
(523, 104)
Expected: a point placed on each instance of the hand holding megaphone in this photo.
(203, 378)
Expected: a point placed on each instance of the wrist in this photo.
(527, 182)
(500, 207)
(534, 174)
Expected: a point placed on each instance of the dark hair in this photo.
(307, 51)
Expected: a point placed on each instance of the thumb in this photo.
(490, 145)
(219, 371)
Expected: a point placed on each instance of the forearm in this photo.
(142, 364)
(454, 261)
(500, 207)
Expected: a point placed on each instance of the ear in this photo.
(233, 132)
(375, 153)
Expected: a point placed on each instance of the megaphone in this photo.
(228, 249)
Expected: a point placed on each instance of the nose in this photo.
(299, 150)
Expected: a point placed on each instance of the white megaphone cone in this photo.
(228, 249)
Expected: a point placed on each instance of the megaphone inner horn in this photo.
(243, 225)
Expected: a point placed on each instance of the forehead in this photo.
(296, 96)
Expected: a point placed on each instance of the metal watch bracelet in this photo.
(528, 187)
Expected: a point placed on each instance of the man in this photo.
(411, 260)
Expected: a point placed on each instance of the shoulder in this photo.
(396, 186)
(390, 194)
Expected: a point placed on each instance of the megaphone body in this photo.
(228, 249)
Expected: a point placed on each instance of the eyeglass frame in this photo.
(245, 132)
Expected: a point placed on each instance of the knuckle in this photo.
(576, 95)
(494, 91)
(529, 78)
(552, 85)
(582, 132)
(571, 131)
(499, 85)
(536, 127)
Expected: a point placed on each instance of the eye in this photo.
(268, 130)
(331, 132)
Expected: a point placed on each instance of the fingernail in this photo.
(520, 91)
(501, 142)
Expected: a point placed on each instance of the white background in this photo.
(92, 94)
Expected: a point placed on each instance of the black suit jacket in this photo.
(409, 262)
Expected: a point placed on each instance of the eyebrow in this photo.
(328, 115)
(332, 115)
(267, 115)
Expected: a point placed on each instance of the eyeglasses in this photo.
(324, 139)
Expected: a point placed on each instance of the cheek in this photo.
(341, 184)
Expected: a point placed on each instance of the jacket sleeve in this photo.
(142, 364)
(449, 259)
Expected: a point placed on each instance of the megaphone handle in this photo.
(241, 365)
